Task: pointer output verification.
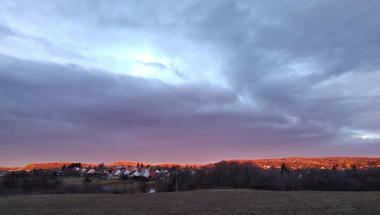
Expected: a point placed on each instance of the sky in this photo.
(189, 81)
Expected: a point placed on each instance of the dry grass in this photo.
(114, 184)
(197, 202)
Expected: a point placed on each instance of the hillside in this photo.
(293, 162)
(227, 201)
(53, 165)
(324, 162)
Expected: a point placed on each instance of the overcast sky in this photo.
(189, 81)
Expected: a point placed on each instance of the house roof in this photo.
(164, 174)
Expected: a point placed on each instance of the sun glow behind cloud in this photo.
(149, 66)
(364, 135)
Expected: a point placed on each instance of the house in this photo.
(133, 168)
(115, 174)
(165, 175)
(108, 176)
(154, 174)
(133, 174)
(91, 171)
(151, 168)
(144, 173)
(126, 172)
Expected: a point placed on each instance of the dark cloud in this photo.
(48, 105)
(263, 45)
(43, 102)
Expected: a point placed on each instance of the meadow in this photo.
(211, 201)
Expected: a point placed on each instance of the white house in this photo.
(126, 172)
(144, 173)
(133, 173)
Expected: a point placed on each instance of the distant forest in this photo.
(234, 175)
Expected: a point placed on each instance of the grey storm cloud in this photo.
(254, 79)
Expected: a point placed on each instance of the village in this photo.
(162, 172)
(61, 178)
(119, 172)
(126, 172)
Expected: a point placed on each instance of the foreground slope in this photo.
(228, 201)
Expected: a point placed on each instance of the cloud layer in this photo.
(192, 82)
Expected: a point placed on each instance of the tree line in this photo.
(42, 182)
(234, 175)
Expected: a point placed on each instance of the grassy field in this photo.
(228, 201)
(119, 184)
(130, 185)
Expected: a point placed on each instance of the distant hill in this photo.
(123, 163)
(293, 162)
(10, 168)
(55, 165)
(324, 162)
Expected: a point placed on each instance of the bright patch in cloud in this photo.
(370, 136)
(365, 135)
